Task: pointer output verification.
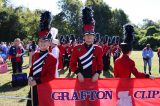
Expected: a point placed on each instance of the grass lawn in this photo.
(7, 90)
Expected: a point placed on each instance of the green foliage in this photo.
(23, 23)
(154, 41)
(18, 22)
(118, 20)
(60, 23)
(151, 30)
(9, 25)
(108, 21)
(147, 23)
(148, 33)
(71, 13)
(102, 16)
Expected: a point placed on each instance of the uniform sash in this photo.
(37, 65)
(86, 59)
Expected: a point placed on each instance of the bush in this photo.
(154, 41)
(151, 30)
(136, 45)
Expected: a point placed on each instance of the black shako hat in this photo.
(45, 26)
(88, 21)
(128, 32)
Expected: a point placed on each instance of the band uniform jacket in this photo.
(80, 52)
(61, 55)
(48, 68)
(124, 66)
(116, 51)
(70, 50)
(106, 50)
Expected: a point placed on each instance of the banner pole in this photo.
(32, 95)
(31, 78)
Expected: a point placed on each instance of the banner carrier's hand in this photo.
(80, 77)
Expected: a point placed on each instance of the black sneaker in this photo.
(149, 73)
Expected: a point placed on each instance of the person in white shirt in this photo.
(55, 52)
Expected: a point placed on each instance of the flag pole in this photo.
(31, 78)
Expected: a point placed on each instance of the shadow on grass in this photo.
(111, 68)
(63, 71)
(7, 87)
(70, 75)
(25, 66)
(22, 100)
(107, 74)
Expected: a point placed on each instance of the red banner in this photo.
(104, 92)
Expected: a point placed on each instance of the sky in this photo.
(137, 10)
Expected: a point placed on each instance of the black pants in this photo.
(35, 97)
(106, 62)
(17, 67)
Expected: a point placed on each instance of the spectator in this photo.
(1, 60)
(147, 54)
(27, 46)
(3, 51)
(32, 49)
(16, 53)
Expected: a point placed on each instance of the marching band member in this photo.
(97, 39)
(86, 60)
(43, 62)
(70, 49)
(56, 53)
(124, 66)
(62, 53)
(116, 51)
(66, 56)
(106, 54)
(32, 50)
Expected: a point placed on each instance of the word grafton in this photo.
(82, 95)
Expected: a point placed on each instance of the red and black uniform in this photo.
(106, 57)
(61, 55)
(42, 70)
(66, 57)
(124, 67)
(116, 51)
(86, 59)
(70, 50)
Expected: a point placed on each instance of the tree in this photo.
(107, 21)
(147, 23)
(102, 15)
(18, 22)
(61, 24)
(151, 30)
(72, 11)
(9, 25)
(118, 20)
(3, 3)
